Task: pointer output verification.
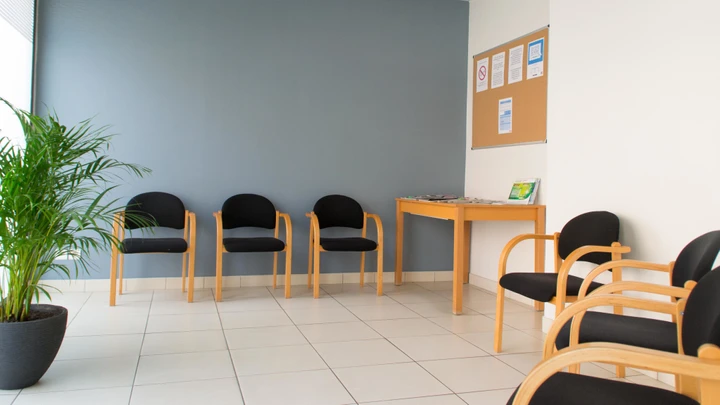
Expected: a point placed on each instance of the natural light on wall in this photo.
(17, 22)
(17, 25)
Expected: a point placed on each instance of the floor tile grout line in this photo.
(408, 356)
(314, 349)
(137, 366)
(227, 346)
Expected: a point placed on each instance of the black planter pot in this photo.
(27, 349)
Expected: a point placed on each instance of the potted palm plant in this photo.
(53, 203)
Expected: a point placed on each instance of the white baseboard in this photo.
(173, 283)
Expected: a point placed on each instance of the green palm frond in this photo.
(54, 201)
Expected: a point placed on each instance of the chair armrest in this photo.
(288, 227)
(620, 286)
(577, 310)
(379, 226)
(630, 356)
(573, 257)
(502, 267)
(636, 264)
(315, 226)
(193, 230)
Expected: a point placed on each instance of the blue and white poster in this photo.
(505, 115)
(536, 58)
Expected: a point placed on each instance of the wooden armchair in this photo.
(161, 210)
(697, 363)
(341, 211)
(590, 237)
(252, 211)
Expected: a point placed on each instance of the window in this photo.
(17, 24)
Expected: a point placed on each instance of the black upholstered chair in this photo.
(252, 211)
(161, 210)
(694, 262)
(589, 237)
(698, 362)
(342, 211)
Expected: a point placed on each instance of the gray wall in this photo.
(285, 98)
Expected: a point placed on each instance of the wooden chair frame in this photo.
(608, 295)
(315, 249)
(700, 375)
(562, 267)
(220, 249)
(117, 258)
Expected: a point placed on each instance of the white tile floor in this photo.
(256, 348)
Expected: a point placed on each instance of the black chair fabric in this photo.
(248, 210)
(348, 244)
(238, 245)
(578, 389)
(701, 321)
(165, 209)
(154, 245)
(696, 259)
(541, 286)
(339, 211)
(598, 228)
(629, 330)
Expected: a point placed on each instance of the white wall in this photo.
(634, 101)
(489, 173)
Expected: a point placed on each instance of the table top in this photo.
(468, 204)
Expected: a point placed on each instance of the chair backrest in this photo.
(339, 210)
(701, 321)
(696, 259)
(248, 210)
(598, 228)
(165, 209)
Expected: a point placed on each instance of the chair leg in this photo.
(191, 276)
(310, 258)
(316, 285)
(113, 275)
(121, 267)
(499, 312)
(218, 275)
(379, 277)
(288, 273)
(184, 271)
(275, 260)
(362, 269)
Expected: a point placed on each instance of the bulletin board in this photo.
(510, 92)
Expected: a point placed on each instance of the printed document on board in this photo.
(536, 58)
(515, 71)
(498, 70)
(505, 115)
(482, 75)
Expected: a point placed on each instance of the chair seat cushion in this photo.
(542, 286)
(629, 330)
(577, 389)
(253, 244)
(154, 245)
(348, 244)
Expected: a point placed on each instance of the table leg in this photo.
(466, 252)
(399, 228)
(540, 249)
(458, 260)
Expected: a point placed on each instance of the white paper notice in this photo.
(505, 115)
(516, 64)
(498, 70)
(536, 58)
(481, 75)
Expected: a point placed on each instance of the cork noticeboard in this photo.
(524, 95)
